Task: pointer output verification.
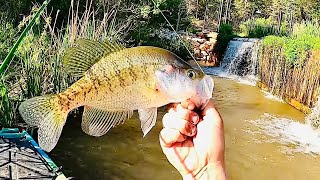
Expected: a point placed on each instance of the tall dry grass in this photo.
(297, 83)
(38, 69)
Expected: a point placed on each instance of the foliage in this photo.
(6, 113)
(257, 28)
(151, 22)
(13, 8)
(304, 38)
(33, 20)
(292, 11)
(17, 10)
(224, 36)
(273, 41)
(7, 37)
(38, 70)
(261, 27)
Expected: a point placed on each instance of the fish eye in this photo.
(191, 74)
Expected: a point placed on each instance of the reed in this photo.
(38, 67)
(7, 108)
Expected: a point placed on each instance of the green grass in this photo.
(261, 27)
(7, 110)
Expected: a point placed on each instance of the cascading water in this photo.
(240, 61)
(241, 57)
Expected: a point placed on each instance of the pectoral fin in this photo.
(97, 122)
(148, 119)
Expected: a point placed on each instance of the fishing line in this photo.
(177, 35)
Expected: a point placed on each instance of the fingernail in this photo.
(192, 129)
(195, 119)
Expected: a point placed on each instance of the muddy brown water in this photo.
(124, 154)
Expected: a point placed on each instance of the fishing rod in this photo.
(179, 37)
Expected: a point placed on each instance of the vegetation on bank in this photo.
(289, 53)
(290, 65)
(296, 47)
(226, 33)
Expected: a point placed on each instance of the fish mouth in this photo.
(204, 92)
(208, 85)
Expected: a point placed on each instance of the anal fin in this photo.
(97, 122)
(148, 119)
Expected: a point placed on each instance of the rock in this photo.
(200, 55)
(196, 51)
(196, 44)
(204, 53)
(200, 34)
(202, 47)
(207, 46)
(212, 35)
(212, 40)
(200, 40)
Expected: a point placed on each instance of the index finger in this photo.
(210, 113)
(184, 113)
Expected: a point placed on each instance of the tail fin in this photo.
(45, 112)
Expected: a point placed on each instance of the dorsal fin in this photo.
(78, 59)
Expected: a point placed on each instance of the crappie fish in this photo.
(114, 82)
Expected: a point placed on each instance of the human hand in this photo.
(194, 143)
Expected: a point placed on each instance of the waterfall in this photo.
(241, 57)
(240, 61)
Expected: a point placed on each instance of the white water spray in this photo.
(241, 57)
(313, 119)
(240, 61)
(294, 136)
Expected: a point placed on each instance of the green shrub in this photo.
(306, 30)
(261, 27)
(224, 36)
(6, 113)
(273, 41)
(304, 37)
(257, 28)
(7, 37)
